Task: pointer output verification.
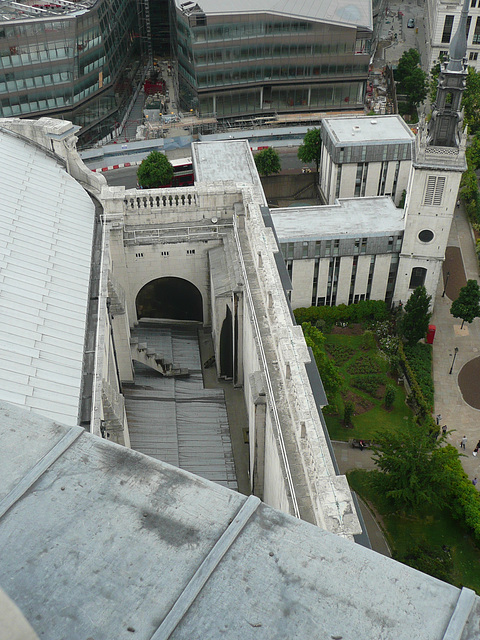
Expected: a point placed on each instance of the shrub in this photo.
(368, 341)
(434, 560)
(369, 383)
(419, 358)
(362, 312)
(348, 412)
(462, 497)
(364, 363)
(390, 393)
(340, 353)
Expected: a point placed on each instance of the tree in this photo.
(331, 378)
(409, 61)
(471, 101)
(414, 323)
(412, 80)
(467, 305)
(154, 171)
(390, 393)
(415, 86)
(267, 162)
(411, 466)
(311, 148)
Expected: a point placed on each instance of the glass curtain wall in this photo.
(75, 66)
(293, 64)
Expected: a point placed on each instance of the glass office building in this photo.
(73, 60)
(232, 61)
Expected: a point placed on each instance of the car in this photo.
(411, 23)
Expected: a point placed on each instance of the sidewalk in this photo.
(460, 417)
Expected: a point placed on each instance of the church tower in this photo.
(437, 167)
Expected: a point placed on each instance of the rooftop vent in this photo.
(355, 129)
(373, 121)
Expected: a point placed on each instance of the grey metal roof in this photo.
(46, 223)
(344, 12)
(348, 217)
(101, 542)
(177, 420)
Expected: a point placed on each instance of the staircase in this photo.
(113, 408)
(141, 353)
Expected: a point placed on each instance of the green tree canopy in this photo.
(154, 171)
(412, 80)
(471, 101)
(414, 322)
(267, 162)
(411, 466)
(329, 373)
(467, 305)
(409, 61)
(415, 86)
(311, 148)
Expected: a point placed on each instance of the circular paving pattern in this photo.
(468, 381)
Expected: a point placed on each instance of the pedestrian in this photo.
(463, 442)
(478, 445)
(475, 451)
(444, 430)
(474, 481)
(439, 417)
(361, 444)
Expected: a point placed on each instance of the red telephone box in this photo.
(431, 333)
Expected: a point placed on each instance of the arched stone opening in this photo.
(170, 298)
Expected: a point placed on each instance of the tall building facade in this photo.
(442, 18)
(77, 61)
(235, 61)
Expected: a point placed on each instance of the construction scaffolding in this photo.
(143, 10)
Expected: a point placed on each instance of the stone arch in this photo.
(170, 298)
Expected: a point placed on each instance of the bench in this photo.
(355, 444)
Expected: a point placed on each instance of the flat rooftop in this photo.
(225, 161)
(343, 12)
(36, 9)
(352, 130)
(348, 217)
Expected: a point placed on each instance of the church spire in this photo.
(458, 45)
(445, 126)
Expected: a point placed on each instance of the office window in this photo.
(328, 248)
(473, 56)
(417, 279)
(339, 180)
(476, 33)
(363, 248)
(305, 250)
(356, 248)
(469, 22)
(336, 245)
(447, 28)
(473, 4)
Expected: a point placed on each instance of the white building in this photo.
(441, 22)
(365, 156)
(363, 247)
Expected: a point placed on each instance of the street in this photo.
(127, 177)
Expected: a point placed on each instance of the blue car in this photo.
(411, 23)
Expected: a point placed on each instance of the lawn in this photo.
(433, 527)
(364, 366)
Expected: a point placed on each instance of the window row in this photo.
(234, 54)
(265, 74)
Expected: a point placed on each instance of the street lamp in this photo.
(446, 282)
(453, 361)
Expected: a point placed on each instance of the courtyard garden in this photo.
(377, 374)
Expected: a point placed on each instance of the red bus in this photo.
(182, 172)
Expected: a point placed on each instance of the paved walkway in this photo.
(461, 418)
